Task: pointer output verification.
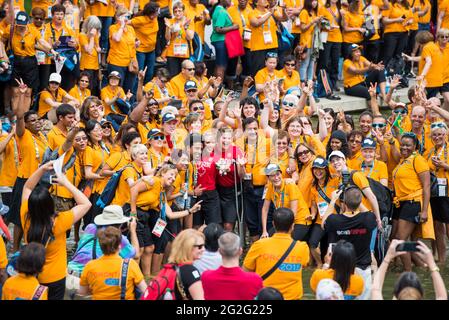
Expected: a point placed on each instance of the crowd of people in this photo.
(117, 134)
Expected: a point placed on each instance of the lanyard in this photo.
(36, 148)
(163, 201)
(242, 17)
(276, 200)
(263, 24)
(195, 173)
(16, 152)
(253, 162)
(423, 141)
(444, 149)
(364, 166)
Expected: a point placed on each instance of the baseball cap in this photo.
(22, 18)
(115, 74)
(168, 117)
(55, 77)
(369, 143)
(319, 163)
(169, 109)
(154, 132)
(356, 47)
(271, 169)
(190, 85)
(336, 153)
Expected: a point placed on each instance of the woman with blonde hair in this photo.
(89, 39)
(187, 247)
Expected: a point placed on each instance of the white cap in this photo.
(337, 153)
(55, 77)
(169, 109)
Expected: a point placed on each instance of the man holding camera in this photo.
(353, 226)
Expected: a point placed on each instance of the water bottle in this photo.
(168, 295)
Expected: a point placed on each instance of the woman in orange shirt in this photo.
(443, 39)
(81, 90)
(309, 20)
(89, 39)
(146, 27)
(43, 225)
(352, 23)
(179, 31)
(122, 54)
(395, 20)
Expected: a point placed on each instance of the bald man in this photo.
(177, 82)
(422, 131)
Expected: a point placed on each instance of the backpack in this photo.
(108, 193)
(196, 49)
(383, 194)
(164, 283)
(322, 86)
(396, 65)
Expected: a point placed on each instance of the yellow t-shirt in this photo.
(290, 81)
(349, 79)
(88, 61)
(146, 31)
(109, 92)
(22, 287)
(405, 176)
(289, 192)
(442, 154)
(3, 256)
(265, 253)
(52, 34)
(296, 22)
(354, 289)
(55, 267)
(353, 20)
(79, 94)
(99, 9)
(258, 41)
(264, 76)
(425, 18)
(179, 46)
(258, 158)
(31, 150)
(73, 174)
(158, 92)
(56, 138)
(30, 38)
(307, 36)
(44, 5)
(355, 161)
(121, 53)
(96, 157)
(191, 12)
(10, 162)
(332, 15)
(305, 181)
(44, 107)
(103, 277)
(320, 203)
(395, 11)
(445, 52)
(122, 194)
(376, 172)
(434, 76)
(177, 86)
(150, 198)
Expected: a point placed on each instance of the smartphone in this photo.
(411, 246)
(52, 179)
(331, 247)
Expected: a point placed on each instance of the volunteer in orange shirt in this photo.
(37, 213)
(443, 37)
(106, 14)
(146, 28)
(430, 66)
(309, 21)
(178, 32)
(396, 21)
(352, 23)
(81, 90)
(267, 74)
(354, 80)
(332, 47)
(372, 10)
(90, 49)
(122, 53)
(290, 75)
(263, 34)
(443, 15)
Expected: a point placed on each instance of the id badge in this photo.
(248, 176)
(297, 22)
(40, 56)
(180, 49)
(49, 12)
(442, 187)
(159, 227)
(322, 208)
(267, 38)
(247, 34)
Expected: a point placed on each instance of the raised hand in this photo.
(395, 81)
(22, 86)
(142, 73)
(373, 89)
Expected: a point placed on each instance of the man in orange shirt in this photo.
(178, 82)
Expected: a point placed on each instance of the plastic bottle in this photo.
(168, 295)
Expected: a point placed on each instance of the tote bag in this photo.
(234, 44)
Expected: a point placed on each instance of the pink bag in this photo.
(234, 44)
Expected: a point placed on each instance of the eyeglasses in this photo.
(80, 139)
(163, 80)
(290, 104)
(303, 153)
(190, 69)
(438, 125)
(199, 246)
(290, 64)
(378, 125)
(355, 141)
(198, 108)
(402, 111)
(158, 138)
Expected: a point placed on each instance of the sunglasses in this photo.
(290, 104)
(198, 108)
(106, 126)
(163, 80)
(378, 125)
(290, 64)
(153, 104)
(438, 125)
(158, 138)
(199, 246)
(81, 139)
(355, 141)
(402, 111)
(303, 153)
(190, 69)
(444, 37)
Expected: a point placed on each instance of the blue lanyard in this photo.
(367, 166)
(163, 201)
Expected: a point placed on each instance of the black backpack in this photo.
(396, 65)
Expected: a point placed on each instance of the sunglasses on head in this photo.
(272, 55)
(438, 125)
(400, 110)
(290, 104)
(378, 125)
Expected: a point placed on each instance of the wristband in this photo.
(133, 214)
(435, 269)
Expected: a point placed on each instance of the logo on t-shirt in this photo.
(290, 267)
(111, 282)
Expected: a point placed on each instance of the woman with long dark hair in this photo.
(341, 269)
(337, 141)
(43, 225)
